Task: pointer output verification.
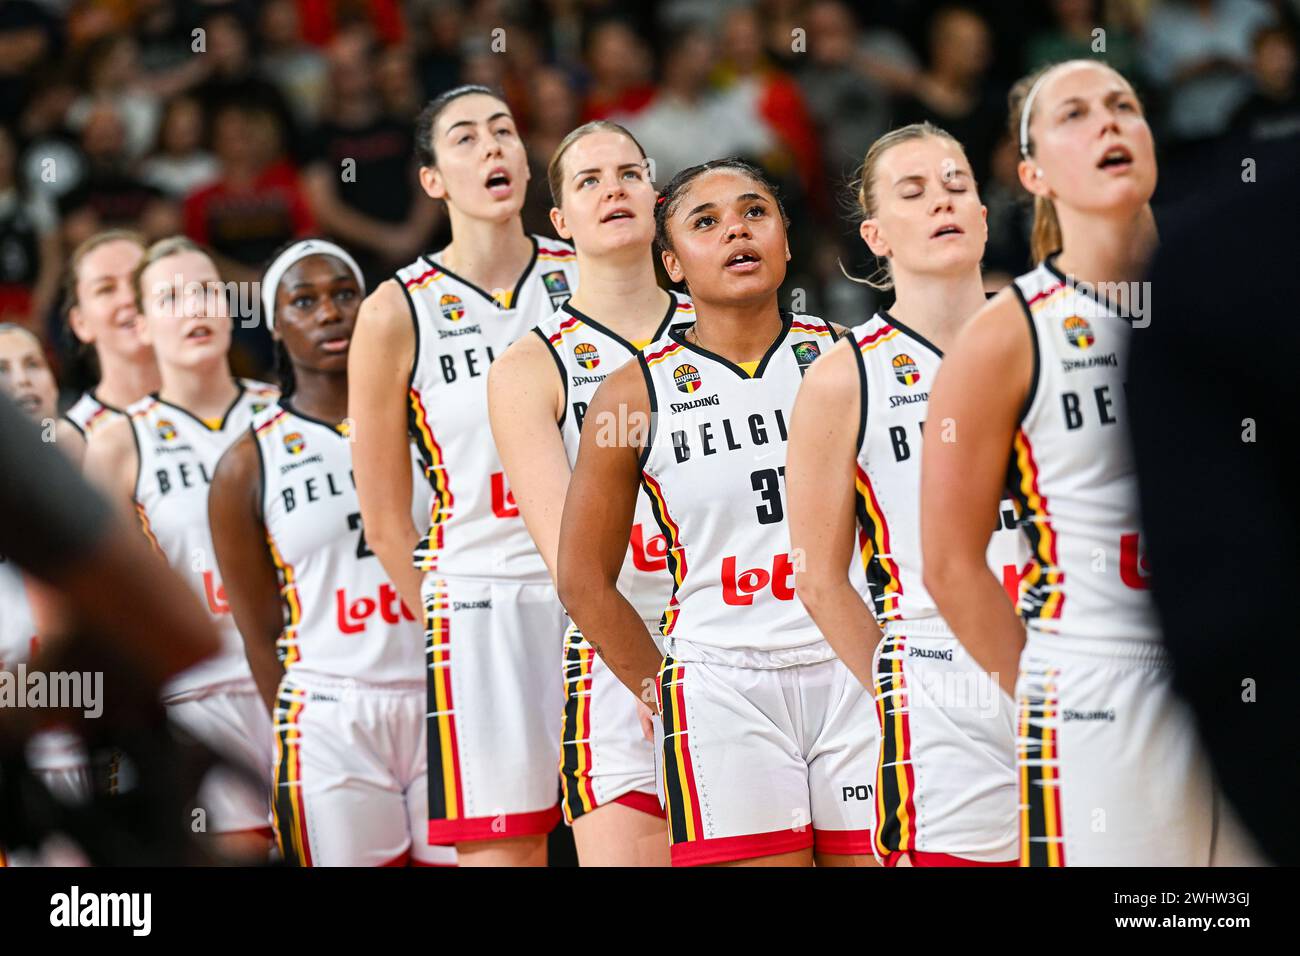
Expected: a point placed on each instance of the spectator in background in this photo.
(361, 181)
(292, 64)
(257, 203)
(25, 40)
(769, 96)
(847, 81)
(398, 87)
(233, 76)
(1273, 109)
(554, 110)
(109, 195)
(1198, 53)
(1010, 217)
(688, 122)
(953, 92)
(621, 72)
(440, 24)
(180, 164)
(52, 162)
(29, 246)
(111, 74)
(1072, 37)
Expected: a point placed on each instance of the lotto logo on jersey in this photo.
(1079, 332)
(905, 369)
(686, 378)
(294, 443)
(739, 588)
(586, 355)
(804, 353)
(453, 310)
(165, 429)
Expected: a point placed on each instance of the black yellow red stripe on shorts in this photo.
(682, 799)
(446, 795)
(289, 810)
(1038, 760)
(579, 795)
(895, 781)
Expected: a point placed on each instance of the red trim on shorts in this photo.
(924, 858)
(640, 800)
(465, 829)
(846, 842)
(441, 866)
(402, 859)
(748, 847)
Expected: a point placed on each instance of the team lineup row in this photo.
(701, 554)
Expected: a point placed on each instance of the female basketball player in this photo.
(159, 458)
(945, 783)
(31, 611)
(334, 651)
(763, 729)
(418, 369)
(102, 314)
(1109, 768)
(604, 203)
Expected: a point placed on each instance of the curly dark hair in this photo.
(671, 194)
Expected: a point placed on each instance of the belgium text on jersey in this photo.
(103, 909)
(73, 690)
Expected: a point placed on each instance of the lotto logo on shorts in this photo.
(294, 443)
(586, 355)
(453, 310)
(905, 369)
(686, 378)
(165, 429)
(1079, 332)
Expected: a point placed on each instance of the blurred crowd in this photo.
(246, 124)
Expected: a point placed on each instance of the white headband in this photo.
(1029, 101)
(291, 257)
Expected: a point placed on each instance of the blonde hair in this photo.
(864, 185)
(172, 245)
(1046, 237)
(554, 169)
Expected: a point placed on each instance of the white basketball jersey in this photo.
(474, 525)
(343, 617)
(586, 352)
(88, 413)
(17, 628)
(896, 370)
(1072, 473)
(714, 471)
(178, 454)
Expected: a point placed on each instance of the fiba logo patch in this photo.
(294, 443)
(905, 369)
(586, 355)
(557, 287)
(804, 353)
(165, 429)
(686, 378)
(1079, 332)
(453, 310)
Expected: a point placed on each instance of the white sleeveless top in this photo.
(474, 525)
(1072, 473)
(343, 617)
(896, 370)
(585, 353)
(714, 471)
(178, 454)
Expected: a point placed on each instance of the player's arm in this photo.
(525, 398)
(820, 478)
(113, 465)
(69, 440)
(247, 572)
(379, 367)
(597, 522)
(973, 413)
